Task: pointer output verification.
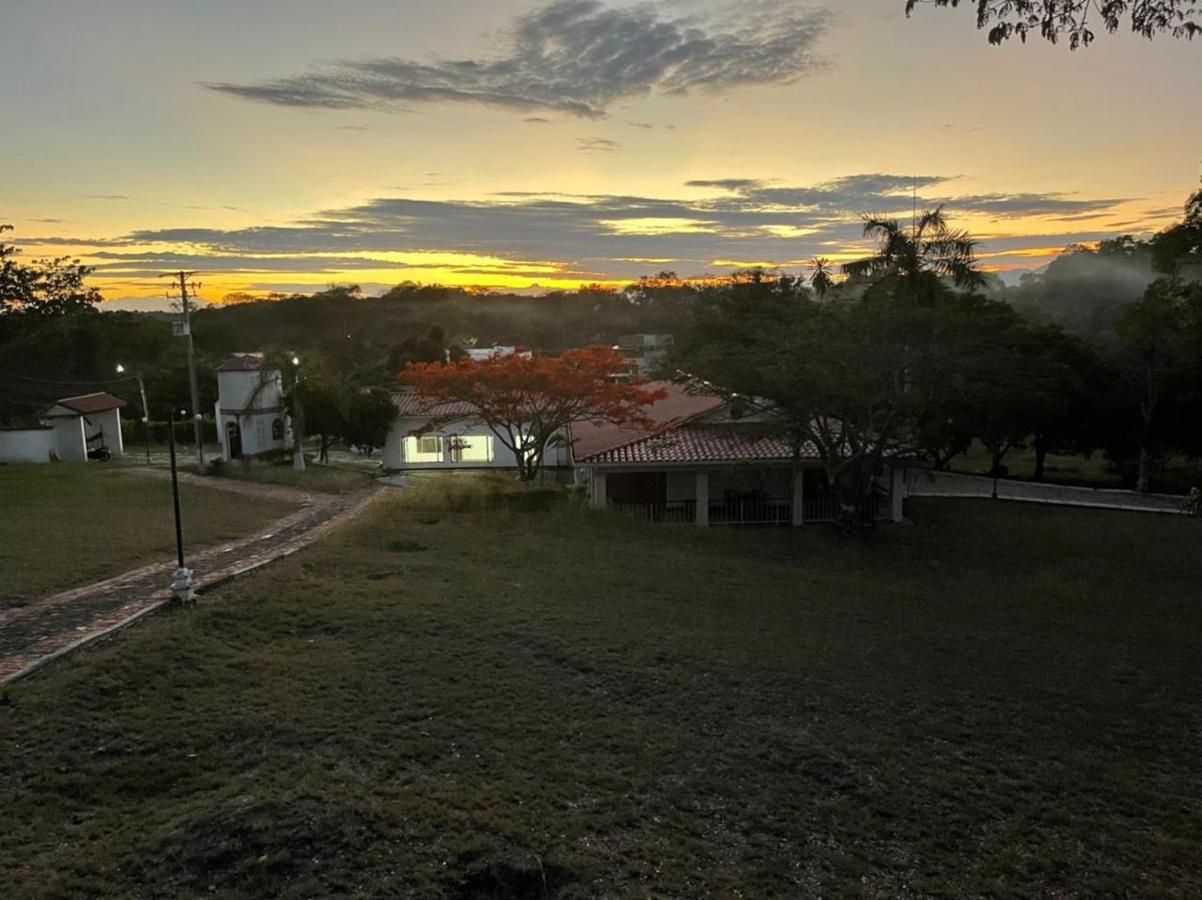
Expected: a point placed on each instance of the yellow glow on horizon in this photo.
(652, 225)
(788, 231)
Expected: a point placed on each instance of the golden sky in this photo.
(292, 144)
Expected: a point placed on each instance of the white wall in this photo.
(256, 429)
(31, 445)
(69, 444)
(254, 412)
(235, 390)
(108, 422)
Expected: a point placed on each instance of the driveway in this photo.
(928, 483)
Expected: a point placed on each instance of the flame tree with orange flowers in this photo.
(527, 400)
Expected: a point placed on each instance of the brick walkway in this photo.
(33, 635)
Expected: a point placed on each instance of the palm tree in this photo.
(822, 280)
(918, 259)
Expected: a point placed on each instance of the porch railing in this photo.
(751, 512)
(748, 511)
(826, 509)
(661, 511)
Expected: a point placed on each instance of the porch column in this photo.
(598, 496)
(703, 499)
(897, 491)
(799, 510)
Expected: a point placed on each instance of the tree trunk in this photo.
(1143, 472)
(1147, 409)
(1041, 455)
(298, 428)
(852, 483)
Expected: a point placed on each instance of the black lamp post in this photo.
(181, 581)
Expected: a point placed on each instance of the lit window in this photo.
(474, 448)
(424, 449)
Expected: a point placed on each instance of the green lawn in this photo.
(454, 698)
(67, 525)
(1177, 475)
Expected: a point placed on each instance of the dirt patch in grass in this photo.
(262, 848)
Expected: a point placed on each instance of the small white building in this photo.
(250, 413)
(89, 422)
(451, 436)
(480, 354)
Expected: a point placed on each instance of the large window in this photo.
(471, 448)
(424, 449)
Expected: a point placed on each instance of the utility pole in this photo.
(185, 330)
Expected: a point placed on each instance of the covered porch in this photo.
(740, 494)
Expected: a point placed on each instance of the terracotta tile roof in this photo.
(91, 403)
(410, 405)
(700, 444)
(681, 404)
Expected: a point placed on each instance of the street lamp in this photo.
(145, 409)
(298, 419)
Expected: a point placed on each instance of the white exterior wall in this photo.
(396, 457)
(108, 423)
(774, 481)
(236, 391)
(31, 445)
(69, 443)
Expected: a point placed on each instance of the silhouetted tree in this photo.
(1053, 19)
(44, 287)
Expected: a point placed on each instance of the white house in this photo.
(250, 413)
(480, 354)
(83, 423)
(645, 353)
(451, 436)
(709, 464)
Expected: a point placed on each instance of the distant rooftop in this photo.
(88, 403)
(242, 362)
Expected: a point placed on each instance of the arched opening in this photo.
(233, 440)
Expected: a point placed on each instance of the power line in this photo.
(185, 330)
(90, 382)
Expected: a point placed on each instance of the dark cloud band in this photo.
(606, 234)
(576, 57)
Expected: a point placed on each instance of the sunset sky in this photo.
(290, 144)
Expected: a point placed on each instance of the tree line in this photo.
(910, 350)
(910, 355)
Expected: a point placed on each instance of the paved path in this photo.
(35, 634)
(927, 483)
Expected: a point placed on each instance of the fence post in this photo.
(703, 500)
(897, 491)
(598, 494)
(799, 516)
